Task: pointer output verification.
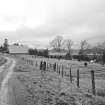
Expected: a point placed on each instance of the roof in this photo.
(18, 49)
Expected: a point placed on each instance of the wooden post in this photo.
(54, 67)
(49, 67)
(46, 66)
(59, 69)
(62, 70)
(93, 82)
(70, 75)
(78, 78)
(36, 64)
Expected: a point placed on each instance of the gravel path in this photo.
(4, 84)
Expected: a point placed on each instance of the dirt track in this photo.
(6, 72)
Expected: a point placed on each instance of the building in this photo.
(18, 49)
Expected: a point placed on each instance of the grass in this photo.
(2, 61)
(84, 71)
(53, 88)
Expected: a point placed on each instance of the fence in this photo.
(65, 71)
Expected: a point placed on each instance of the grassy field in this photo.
(2, 60)
(85, 74)
(30, 86)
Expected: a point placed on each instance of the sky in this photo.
(37, 22)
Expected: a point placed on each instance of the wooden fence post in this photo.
(93, 82)
(47, 66)
(78, 78)
(59, 69)
(62, 70)
(54, 67)
(36, 64)
(70, 75)
(25, 61)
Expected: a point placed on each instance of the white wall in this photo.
(18, 49)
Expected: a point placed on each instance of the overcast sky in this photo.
(36, 22)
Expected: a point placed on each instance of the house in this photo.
(18, 49)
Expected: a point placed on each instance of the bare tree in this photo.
(57, 43)
(68, 44)
(83, 47)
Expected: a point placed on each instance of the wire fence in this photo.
(74, 74)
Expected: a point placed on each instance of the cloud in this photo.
(36, 22)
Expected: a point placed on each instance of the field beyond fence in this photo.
(89, 79)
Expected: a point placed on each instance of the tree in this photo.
(45, 53)
(57, 43)
(1, 48)
(5, 46)
(68, 44)
(83, 47)
(38, 53)
(103, 57)
(33, 51)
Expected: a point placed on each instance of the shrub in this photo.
(103, 57)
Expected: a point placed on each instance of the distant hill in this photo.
(96, 39)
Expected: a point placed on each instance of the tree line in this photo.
(86, 51)
(59, 44)
(38, 52)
